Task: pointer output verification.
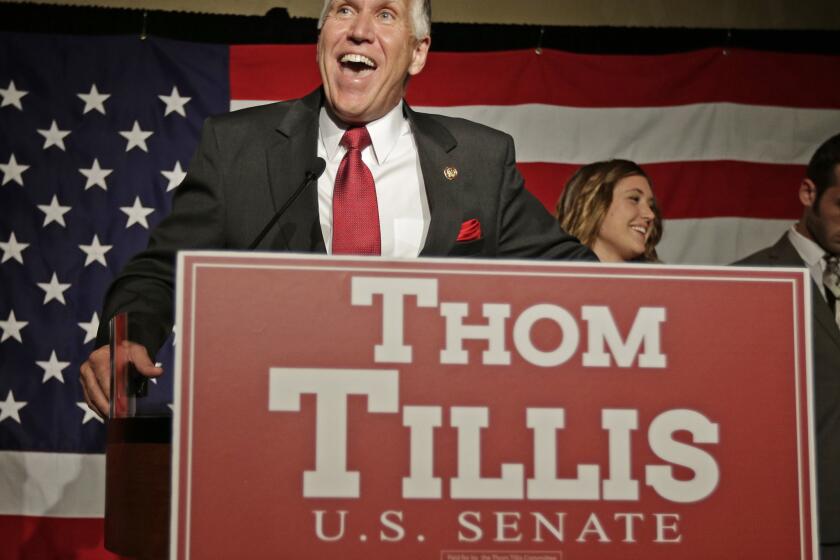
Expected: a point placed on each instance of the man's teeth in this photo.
(358, 58)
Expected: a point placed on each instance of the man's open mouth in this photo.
(357, 62)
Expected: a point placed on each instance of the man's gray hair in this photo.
(421, 17)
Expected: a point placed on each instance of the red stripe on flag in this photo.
(39, 538)
(274, 72)
(261, 72)
(576, 80)
(699, 189)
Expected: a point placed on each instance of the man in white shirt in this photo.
(397, 183)
(814, 242)
(393, 161)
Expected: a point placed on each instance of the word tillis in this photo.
(605, 346)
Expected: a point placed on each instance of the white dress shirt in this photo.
(400, 193)
(812, 254)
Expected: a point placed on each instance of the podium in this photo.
(138, 462)
(435, 409)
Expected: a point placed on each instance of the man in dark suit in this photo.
(814, 242)
(397, 183)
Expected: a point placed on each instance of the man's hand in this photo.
(95, 373)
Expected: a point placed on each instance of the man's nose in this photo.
(361, 29)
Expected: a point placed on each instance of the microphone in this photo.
(316, 168)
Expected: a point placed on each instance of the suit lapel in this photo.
(785, 253)
(434, 147)
(288, 159)
(824, 318)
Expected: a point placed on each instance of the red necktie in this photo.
(355, 212)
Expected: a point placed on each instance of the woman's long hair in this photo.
(587, 197)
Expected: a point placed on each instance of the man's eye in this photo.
(343, 11)
(387, 16)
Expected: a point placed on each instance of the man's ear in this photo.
(807, 193)
(418, 56)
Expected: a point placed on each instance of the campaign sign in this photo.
(354, 408)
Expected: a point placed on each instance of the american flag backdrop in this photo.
(96, 133)
(94, 136)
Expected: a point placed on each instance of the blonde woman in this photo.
(610, 207)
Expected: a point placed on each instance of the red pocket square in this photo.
(470, 231)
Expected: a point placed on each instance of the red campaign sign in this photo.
(487, 410)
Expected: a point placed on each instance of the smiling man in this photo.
(397, 183)
(814, 242)
(366, 53)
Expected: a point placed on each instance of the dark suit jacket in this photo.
(248, 164)
(826, 348)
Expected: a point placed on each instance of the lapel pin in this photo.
(450, 173)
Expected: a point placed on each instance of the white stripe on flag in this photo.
(52, 484)
(717, 241)
(700, 132)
